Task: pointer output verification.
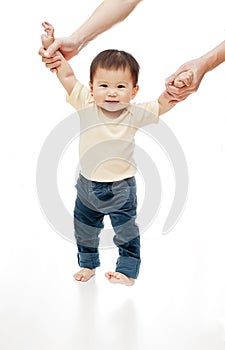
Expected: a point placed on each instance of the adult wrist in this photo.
(78, 41)
(205, 63)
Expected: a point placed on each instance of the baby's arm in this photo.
(64, 73)
(183, 79)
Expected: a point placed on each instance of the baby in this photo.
(106, 184)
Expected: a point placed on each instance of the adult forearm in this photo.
(107, 14)
(213, 58)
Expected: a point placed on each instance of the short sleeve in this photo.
(145, 113)
(80, 97)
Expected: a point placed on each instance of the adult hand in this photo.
(179, 94)
(68, 46)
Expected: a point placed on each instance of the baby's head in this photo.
(114, 60)
(113, 80)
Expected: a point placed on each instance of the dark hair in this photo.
(115, 59)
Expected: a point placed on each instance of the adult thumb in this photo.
(170, 79)
(51, 51)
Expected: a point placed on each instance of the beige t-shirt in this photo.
(106, 145)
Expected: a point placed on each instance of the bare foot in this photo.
(84, 275)
(117, 277)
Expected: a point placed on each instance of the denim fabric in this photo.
(119, 201)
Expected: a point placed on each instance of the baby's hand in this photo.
(48, 38)
(183, 79)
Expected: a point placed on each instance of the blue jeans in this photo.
(118, 200)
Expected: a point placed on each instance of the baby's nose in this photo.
(112, 92)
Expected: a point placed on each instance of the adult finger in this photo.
(41, 51)
(51, 59)
(53, 65)
(173, 90)
(182, 96)
(170, 79)
(177, 100)
(50, 52)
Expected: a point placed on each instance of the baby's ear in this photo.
(135, 91)
(91, 86)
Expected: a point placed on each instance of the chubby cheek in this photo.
(126, 96)
(98, 96)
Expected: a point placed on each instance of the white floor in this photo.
(177, 302)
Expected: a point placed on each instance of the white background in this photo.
(178, 300)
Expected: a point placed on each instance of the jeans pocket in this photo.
(103, 192)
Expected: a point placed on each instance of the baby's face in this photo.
(113, 90)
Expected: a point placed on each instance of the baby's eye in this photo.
(103, 85)
(121, 86)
